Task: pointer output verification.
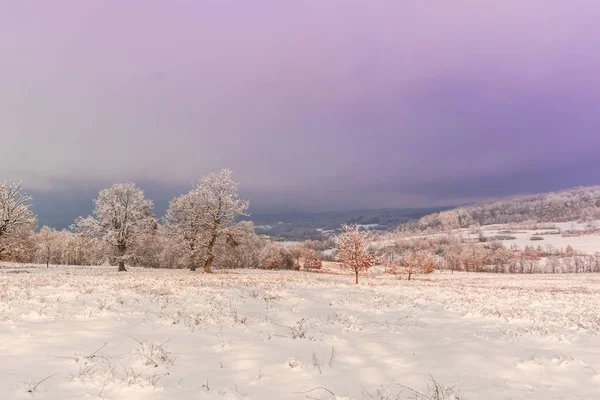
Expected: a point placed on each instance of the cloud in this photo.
(312, 104)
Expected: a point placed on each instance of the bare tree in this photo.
(452, 255)
(501, 256)
(48, 241)
(297, 252)
(205, 214)
(16, 218)
(354, 249)
(122, 216)
(411, 261)
(553, 264)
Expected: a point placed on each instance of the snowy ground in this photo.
(586, 243)
(159, 334)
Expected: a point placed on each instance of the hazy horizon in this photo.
(70, 208)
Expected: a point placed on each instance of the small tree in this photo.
(452, 255)
(16, 219)
(122, 216)
(312, 260)
(417, 262)
(353, 249)
(48, 242)
(297, 252)
(391, 261)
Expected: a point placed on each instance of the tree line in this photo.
(199, 231)
(457, 253)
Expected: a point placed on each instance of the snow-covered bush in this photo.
(275, 255)
(241, 247)
(312, 260)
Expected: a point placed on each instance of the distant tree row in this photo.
(422, 255)
(200, 231)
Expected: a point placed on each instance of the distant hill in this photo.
(561, 206)
(316, 226)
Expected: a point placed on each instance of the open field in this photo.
(586, 243)
(251, 334)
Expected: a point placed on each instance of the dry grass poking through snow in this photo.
(74, 332)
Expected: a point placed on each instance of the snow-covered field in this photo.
(90, 332)
(585, 243)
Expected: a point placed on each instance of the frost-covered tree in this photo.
(297, 252)
(271, 256)
(312, 260)
(16, 218)
(241, 247)
(452, 255)
(354, 251)
(204, 215)
(417, 262)
(122, 216)
(501, 257)
(185, 220)
(48, 241)
(80, 249)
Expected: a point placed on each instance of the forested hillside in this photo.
(562, 206)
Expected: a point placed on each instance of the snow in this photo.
(586, 243)
(252, 334)
(368, 226)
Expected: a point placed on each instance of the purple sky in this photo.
(315, 105)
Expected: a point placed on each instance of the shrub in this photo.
(312, 260)
(504, 237)
(275, 255)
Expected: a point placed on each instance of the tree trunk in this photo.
(356, 277)
(121, 250)
(208, 264)
(409, 274)
(213, 239)
(193, 256)
(209, 250)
